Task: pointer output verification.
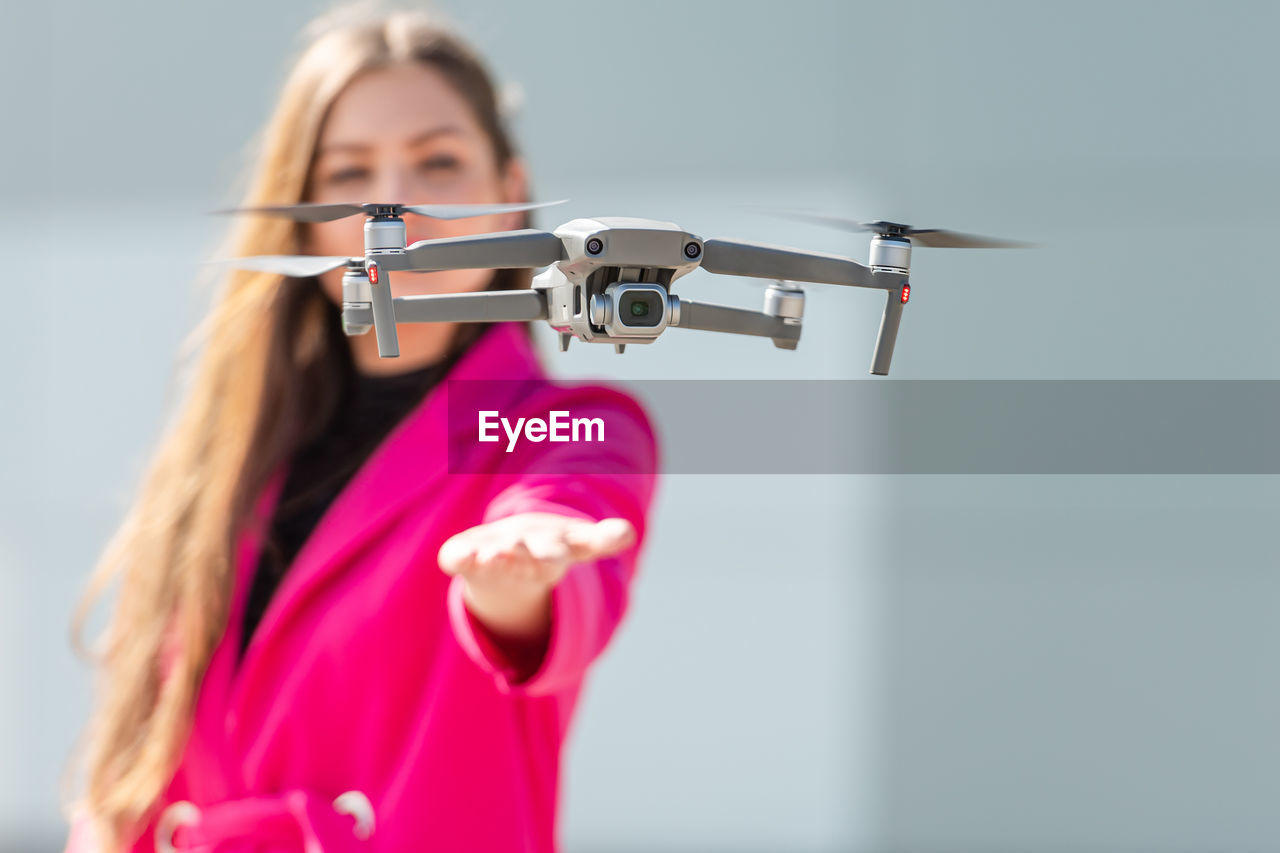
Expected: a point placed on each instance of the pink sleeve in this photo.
(590, 601)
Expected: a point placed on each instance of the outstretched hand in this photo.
(532, 549)
(510, 566)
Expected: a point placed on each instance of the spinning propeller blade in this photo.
(302, 212)
(930, 237)
(463, 211)
(298, 266)
(330, 212)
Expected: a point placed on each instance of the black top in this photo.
(369, 410)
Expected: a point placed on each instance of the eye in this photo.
(440, 162)
(344, 175)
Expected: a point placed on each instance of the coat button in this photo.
(356, 804)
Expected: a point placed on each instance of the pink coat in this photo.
(367, 672)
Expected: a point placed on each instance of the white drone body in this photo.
(621, 292)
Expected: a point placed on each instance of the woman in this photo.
(325, 638)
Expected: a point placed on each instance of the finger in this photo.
(548, 545)
(456, 556)
(550, 555)
(599, 539)
(523, 564)
(492, 556)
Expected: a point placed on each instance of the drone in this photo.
(607, 279)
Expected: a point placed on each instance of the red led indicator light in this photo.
(373, 275)
(906, 293)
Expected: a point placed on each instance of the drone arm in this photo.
(504, 250)
(740, 321)
(483, 307)
(758, 260)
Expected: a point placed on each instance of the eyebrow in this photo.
(415, 141)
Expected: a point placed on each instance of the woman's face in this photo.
(403, 134)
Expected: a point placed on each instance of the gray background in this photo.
(811, 662)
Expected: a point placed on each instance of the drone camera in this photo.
(632, 309)
(641, 307)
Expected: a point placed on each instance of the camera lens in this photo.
(595, 246)
(641, 308)
(692, 250)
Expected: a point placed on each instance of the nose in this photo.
(393, 187)
(396, 178)
(395, 184)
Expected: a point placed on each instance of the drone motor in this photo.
(785, 300)
(357, 301)
(890, 253)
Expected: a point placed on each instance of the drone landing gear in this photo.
(894, 301)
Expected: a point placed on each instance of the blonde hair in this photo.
(262, 381)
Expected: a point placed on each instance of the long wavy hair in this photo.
(262, 382)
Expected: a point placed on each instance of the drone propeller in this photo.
(296, 266)
(330, 212)
(930, 237)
